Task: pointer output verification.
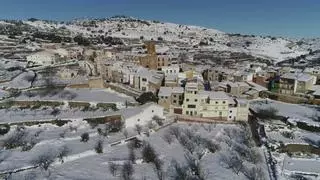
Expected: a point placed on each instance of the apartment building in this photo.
(170, 97)
(293, 83)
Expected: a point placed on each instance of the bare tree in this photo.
(132, 155)
(187, 143)
(64, 151)
(176, 171)
(232, 161)
(174, 130)
(16, 138)
(149, 155)
(138, 128)
(99, 146)
(127, 171)
(167, 137)
(113, 168)
(44, 160)
(254, 173)
(125, 133)
(194, 166)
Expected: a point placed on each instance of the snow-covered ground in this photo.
(83, 162)
(84, 95)
(295, 112)
(22, 81)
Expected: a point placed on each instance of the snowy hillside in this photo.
(275, 49)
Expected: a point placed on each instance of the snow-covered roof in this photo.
(130, 112)
(171, 77)
(297, 76)
(257, 86)
(167, 91)
(214, 94)
(316, 89)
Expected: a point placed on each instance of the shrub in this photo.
(148, 153)
(84, 137)
(4, 129)
(158, 120)
(270, 113)
(44, 160)
(305, 126)
(147, 97)
(55, 112)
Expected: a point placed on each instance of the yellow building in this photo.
(152, 60)
(215, 105)
(170, 97)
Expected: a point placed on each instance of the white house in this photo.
(171, 70)
(141, 115)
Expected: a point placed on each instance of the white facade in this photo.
(144, 115)
(171, 70)
(232, 113)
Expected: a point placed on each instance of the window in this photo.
(196, 100)
(144, 79)
(230, 117)
(195, 92)
(191, 106)
(166, 97)
(224, 102)
(174, 101)
(217, 102)
(138, 120)
(187, 100)
(187, 112)
(230, 111)
(220, 113)
(152, 111)
(195, 113)
(174, 95)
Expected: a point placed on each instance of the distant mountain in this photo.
(276, 49)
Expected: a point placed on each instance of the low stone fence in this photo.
(289, 98)
(191, 119)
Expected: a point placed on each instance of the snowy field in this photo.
(295, 112)
(82, 162)
(83, 95)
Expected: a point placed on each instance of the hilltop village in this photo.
(123, 98)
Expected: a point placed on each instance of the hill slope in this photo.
(272, 48)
